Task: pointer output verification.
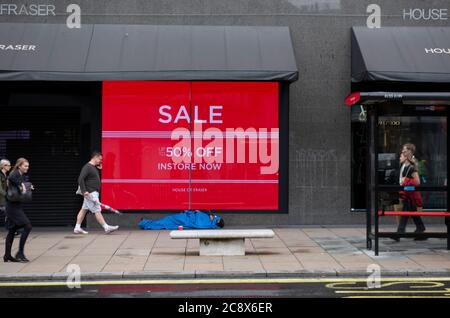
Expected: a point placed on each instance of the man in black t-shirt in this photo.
(89, 188)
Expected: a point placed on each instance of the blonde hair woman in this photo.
(16, 218)
(409, 176)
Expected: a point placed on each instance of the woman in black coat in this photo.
(16, 218)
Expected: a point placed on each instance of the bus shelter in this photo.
(401, 95)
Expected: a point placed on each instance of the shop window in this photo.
(191, 145)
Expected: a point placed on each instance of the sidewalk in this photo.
(294, 252)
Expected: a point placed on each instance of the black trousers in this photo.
(408, 206)
(2, 212)
(23, 238)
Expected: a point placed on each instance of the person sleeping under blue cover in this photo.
(189, 219)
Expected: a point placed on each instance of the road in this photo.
(236, 288)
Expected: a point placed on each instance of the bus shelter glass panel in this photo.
(420, 201)
(412, 151)
(428, 135)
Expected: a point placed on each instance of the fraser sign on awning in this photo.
(176, 145)
(17, 47)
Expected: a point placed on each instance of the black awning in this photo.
(401, 54)
(145, 52)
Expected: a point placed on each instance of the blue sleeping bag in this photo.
(189, 219)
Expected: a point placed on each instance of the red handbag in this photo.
(414, 196)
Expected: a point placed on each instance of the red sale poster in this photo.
(190, 145)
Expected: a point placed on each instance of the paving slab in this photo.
(293, 252)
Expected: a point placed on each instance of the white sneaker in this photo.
(80, 231)
(111, 229)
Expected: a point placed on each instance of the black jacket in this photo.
(2, 189)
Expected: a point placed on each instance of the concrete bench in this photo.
(222, 242)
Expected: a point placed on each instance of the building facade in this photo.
(319, 137)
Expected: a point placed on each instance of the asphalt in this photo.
(242, 289)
